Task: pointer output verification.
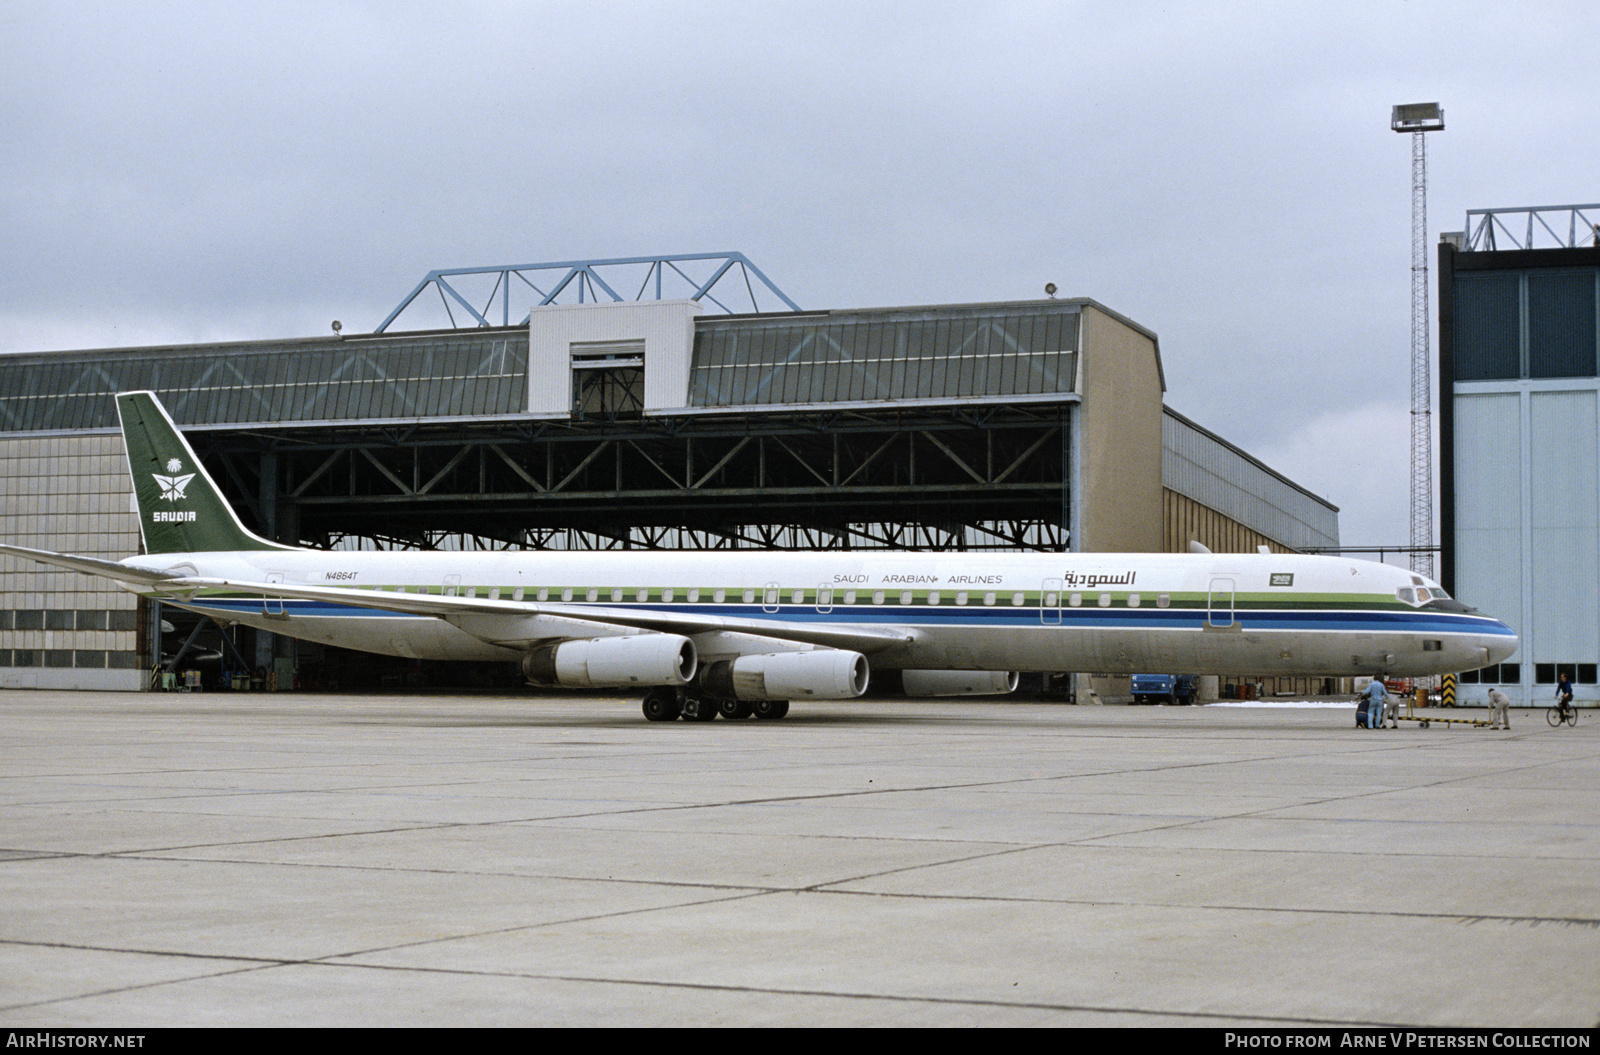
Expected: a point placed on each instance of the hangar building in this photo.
(1519, 424)
(626, 424)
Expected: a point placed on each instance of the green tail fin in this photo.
(180, 508)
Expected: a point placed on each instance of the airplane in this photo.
(741, 633)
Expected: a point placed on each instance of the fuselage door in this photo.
(824, 598)
(1219, 602)
(771, 597)
(1051, 598)
(272, 605)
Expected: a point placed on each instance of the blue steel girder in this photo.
(584, 276)
(1579, 221)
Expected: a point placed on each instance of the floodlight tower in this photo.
(1420, 119)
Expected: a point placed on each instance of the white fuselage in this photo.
(1110, 613)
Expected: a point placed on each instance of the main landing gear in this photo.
(666, 705)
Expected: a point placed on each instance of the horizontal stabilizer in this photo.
(96, 566)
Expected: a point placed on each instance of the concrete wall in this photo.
(666, 327)
(1187, 520)
(1120, 445)
(68, 493)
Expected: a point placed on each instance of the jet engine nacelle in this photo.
(823, 674)
(951, 682)
(613, 662)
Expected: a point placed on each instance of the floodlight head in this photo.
(1417, 117)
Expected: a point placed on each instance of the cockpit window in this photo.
(1421, 595)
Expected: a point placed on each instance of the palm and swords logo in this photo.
(172, 487)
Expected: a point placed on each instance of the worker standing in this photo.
(1499, 713)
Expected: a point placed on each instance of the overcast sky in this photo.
(1222, 173)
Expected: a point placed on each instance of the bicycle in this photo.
(1562, 712)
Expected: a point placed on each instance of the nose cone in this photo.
(1503, 644)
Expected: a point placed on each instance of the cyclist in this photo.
(1564, 695)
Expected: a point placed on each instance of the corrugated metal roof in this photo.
(475, 373)
(873, 356)
(1201, 465)
(985, 351)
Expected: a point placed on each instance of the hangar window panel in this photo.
(1013, 339)
(756, 371)
(442, 389)
(841, 383)
(1487, 317)
(829, 369)
(819, 370)
(892, 363)
(788, 363)
(939, 373)
(748, 369)
(1561, 324)
(865, 382)
(457, 380)
(911, 347)
(963, 334)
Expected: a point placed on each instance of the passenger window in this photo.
(749, 596)
(666, 595)
(719, 595)
(1051, 600)
(933, 598)
(798, 597)
(906, 597)
(1105, 600)
(1163, 600)
(566, 593)
(1133, 600)
(543, 595)
(1019, 599)
(961, 597)
(877, 596)
(771, 596)
(593, 594)
(988, 598)
(1075, 600)
(642, 595)
(516, 595)
(849, 597)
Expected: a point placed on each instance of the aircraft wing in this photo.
(95, 566)
(522, 623)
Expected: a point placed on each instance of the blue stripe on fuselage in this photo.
(1420, 621)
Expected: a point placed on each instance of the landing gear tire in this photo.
(661, 705)
(731, 708)
(770, 709)
(696, 709)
